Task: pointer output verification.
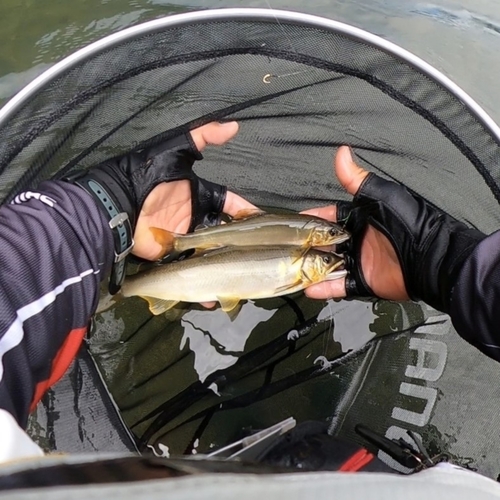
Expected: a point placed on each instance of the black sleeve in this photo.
(55, 248)
(475, 305)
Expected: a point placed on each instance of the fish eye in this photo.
(333, 231)
(327, 259)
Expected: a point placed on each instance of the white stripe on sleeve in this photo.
(15, 333)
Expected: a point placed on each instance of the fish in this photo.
(254, 228)
(230, 275)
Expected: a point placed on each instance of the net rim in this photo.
(246, 14)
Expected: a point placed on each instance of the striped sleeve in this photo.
(55, 248)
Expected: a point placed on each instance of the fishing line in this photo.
(331, 327)
(267, 78)
(281, 27)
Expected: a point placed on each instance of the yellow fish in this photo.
(230, 275)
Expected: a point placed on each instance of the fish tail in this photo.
(166, 239)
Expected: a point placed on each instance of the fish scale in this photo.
(250, 228)
(230, 275)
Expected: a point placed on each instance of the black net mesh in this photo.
(77, 415)
(324, 89)
(298, 91)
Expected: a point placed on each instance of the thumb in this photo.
(348, 173)
(214, 133)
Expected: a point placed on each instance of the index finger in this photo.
(234, 203)
(334, 289)
(328, 213)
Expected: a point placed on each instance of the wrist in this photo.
(451, 245)
(461, 245)
(115, 204)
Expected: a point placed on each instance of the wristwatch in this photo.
(118, 221)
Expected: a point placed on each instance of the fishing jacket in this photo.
(55, 248)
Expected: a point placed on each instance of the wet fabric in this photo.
(476, 296)
(392, 367)
(77, 415)
(55, 250)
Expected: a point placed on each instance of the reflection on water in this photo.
(227, 370)
(462, 18)
(216, 339)
(198, 381)
(36, 36)
(457, 37)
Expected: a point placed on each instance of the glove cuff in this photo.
(431, 246)
(460, 246)
(207, 202)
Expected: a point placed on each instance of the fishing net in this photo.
(299, 86)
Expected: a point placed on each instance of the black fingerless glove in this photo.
(120, 186)
(431, 246)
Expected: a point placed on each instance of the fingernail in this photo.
(228, 124)
(351, 153)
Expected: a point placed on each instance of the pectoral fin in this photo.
(301, 254)
(228, 303)
(290, 287)
(209, 248)
(159, 306)
(248, 213)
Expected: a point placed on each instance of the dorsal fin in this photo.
(248, 213)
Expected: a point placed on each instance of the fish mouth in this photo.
(333, 243)
(335, 275)
(338, 271)
(340, 239)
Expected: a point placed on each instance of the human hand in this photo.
(379, 263)
(156, 186)
(401, 247)
(169, 205)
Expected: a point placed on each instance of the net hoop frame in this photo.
(246, 14)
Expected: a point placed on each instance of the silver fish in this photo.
(230, 275)
(251, 228)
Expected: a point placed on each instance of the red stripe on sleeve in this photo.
(61, 362)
